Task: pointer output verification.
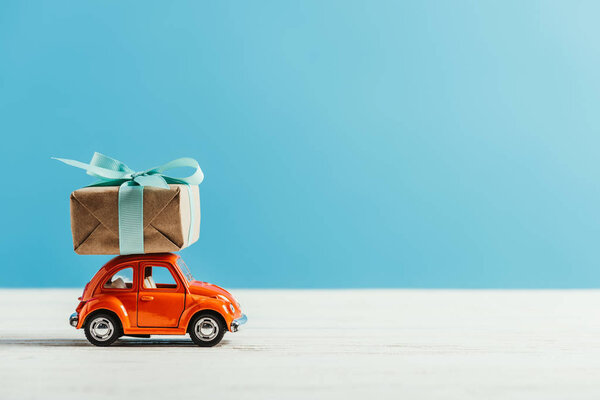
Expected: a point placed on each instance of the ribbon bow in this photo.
(112, 172)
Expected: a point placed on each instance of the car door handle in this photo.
(146, 298)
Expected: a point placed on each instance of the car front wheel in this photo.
(102, 330)
(207, 330)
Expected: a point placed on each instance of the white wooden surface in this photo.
(345, 344)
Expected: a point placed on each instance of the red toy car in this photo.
(154, 294)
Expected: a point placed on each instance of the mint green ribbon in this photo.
(112, 172)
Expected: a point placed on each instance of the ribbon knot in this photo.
(136, 174)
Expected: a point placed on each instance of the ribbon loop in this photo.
(196, 178)
(102, 161)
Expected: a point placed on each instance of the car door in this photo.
(161, 296)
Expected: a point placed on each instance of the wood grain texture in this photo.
(318, 344)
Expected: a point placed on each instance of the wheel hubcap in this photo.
(101, 329)
(206, 329)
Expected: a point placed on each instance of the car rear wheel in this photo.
(207, 330)
(102, 330)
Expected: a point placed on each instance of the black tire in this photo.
(102, 329)
(206, 329)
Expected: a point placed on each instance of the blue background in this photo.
(345, 144)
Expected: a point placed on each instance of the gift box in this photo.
(167, 219)
(129, 212)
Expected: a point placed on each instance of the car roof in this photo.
(141, 257)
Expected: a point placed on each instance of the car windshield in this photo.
(184, 268)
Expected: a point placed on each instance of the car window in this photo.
(185, 270)
(122, 279)
(156, 277)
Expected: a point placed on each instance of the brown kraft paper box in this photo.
(95, 219)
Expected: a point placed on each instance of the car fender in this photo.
(110, 303)
(203, 303)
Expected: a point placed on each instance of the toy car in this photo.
(154, 294)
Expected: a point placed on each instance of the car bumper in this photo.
(74, 319)
(236, 323)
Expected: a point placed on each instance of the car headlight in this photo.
(232, 308)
